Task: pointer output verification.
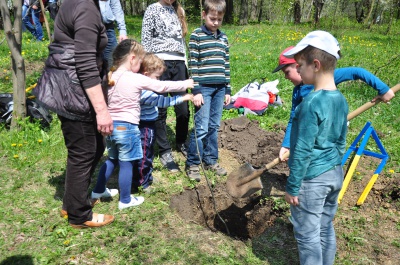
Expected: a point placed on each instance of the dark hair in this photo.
(216, 5)
(121, 52)
(328, 61)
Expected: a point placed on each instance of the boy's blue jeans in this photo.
(207, 121)
(111, 44)
(35, 29)
(312, 219)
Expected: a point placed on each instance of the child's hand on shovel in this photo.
(282, 152)
(385, 97)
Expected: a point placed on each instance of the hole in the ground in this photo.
(244, 218)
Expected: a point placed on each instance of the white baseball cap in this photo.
(319, 39)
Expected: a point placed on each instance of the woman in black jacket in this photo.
(71, 87)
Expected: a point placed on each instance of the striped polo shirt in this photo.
(209, 59)
(150, 102)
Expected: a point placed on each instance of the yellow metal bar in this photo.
(367, 189)
(349, 175)
(30, 87)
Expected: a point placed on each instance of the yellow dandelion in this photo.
(23, 53)
(358, 173)
(391, 171)
(16, 156)
(40, 140)
(5, 71)
(19, 145)
(6, 77)
(13, 145)
(66, 242)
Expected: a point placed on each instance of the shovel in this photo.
(246, 180)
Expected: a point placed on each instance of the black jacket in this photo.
(59, 88)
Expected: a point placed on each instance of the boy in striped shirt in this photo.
(209, 67)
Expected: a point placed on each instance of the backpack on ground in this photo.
(34, 111)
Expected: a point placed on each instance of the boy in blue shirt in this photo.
(288, 67)
(209, 66)
(153, 67)
(317, 145)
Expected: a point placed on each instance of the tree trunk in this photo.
(13, 32)
(228, 18)
(307, 8)
(371, 8)
(260, 14)
(318, 5)
(296, 11)
(131, 7)
(254, 10)
(359, 11)
(244, 14)
(398, 10)
(390, 19)
(45, 20)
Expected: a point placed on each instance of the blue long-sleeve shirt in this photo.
(318, 138)
(340, 75)
(150, 102)
(111, 10)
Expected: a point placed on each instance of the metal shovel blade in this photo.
(240, 184)
(246, 180)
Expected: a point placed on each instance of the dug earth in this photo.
(265, 214)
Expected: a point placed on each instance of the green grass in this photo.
(33, 164)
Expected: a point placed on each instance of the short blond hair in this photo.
(152, 63)
(215, 5)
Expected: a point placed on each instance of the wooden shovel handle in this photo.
(276, 161)
(368, 105)
(350, 116)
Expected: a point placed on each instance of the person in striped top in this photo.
(153, 67)
(209, 67)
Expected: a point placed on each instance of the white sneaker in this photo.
(106, 194)
(135, 201)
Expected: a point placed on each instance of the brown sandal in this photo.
(98, 220)
(64, 213)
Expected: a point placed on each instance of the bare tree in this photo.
(318, 5)
(392, 7)
(13, 32)
(244, 12)
(228, 18)
(253, 10)
(398, 9)
(296, 11)
(371, 8)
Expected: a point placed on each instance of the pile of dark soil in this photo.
(249, 217)
(240, 218)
